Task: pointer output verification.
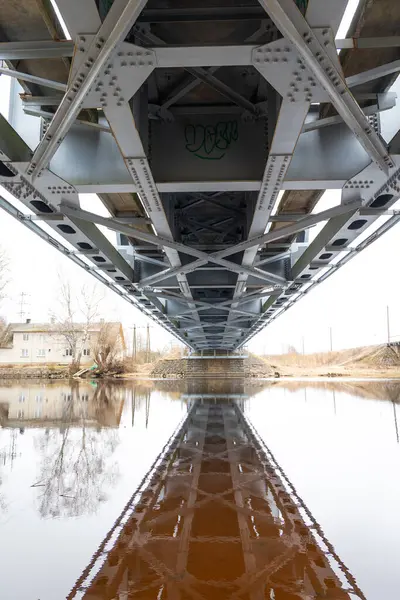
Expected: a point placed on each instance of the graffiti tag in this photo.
(212, 141)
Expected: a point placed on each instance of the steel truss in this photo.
(191, 147)
(216, 516)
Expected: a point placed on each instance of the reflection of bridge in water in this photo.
(216, 517)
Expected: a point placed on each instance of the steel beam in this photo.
(130, 145)
(196, 76)
(373, 74)
(168, 243)
(113, 30)
(35, 50)
(56, 85)
(322, 13)
(305, 223)
(287, 131)
(291, 23)
(28, 100)
(272, 259)
(74, 257)
(214, 202)
(189, 268)
(390, 41)
(324, 238)
(225, 304)
(205, 13)
(350, 253)
(36, 112)
(204, 56)
(81, 16)
(389, 101)
(223, 89)
(309, 221)
(325, 246)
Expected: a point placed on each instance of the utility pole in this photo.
(147, 407)
(137, 343)
(22, 303)
(133, 403)
(134, 344)
(388, 324)
(147, 343)
(395, 422)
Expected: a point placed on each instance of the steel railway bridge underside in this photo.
(209, 130)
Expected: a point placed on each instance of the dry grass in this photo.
(315, 360)
(367, 358)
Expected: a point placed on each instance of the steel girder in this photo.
(191, 166)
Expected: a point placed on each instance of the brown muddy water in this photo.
(268, 490)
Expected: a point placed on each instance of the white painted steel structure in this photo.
(190, 123)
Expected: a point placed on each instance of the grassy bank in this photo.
(367, 361)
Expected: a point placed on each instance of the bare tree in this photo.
(4, 263)
(77, 311)
(108, 346)
(64, 318)
(89, 301)
(4, 332)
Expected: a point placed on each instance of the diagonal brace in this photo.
(266, 238)
(203, 257)
(291, 23)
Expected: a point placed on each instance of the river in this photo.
(72, 456)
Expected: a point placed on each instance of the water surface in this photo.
(71, 457)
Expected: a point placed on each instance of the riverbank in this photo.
(372, 362)
(381, 361)
(34, 372)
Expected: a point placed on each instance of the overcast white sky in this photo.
(352, 302)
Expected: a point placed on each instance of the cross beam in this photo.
(203, 257)
(272, 236)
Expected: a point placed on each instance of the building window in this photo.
(39, 398)
(68, 352)
(41, 352)
(21, 414)
(86, 352)
(21, 398)
(38, 413)
(25, 337)
(24, 352)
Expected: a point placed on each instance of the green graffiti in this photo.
(302, 5)
(211, 142)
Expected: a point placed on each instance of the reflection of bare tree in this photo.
(8, 453)
(76, 469)
(3, 504)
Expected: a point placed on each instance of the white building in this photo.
(41, 343)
